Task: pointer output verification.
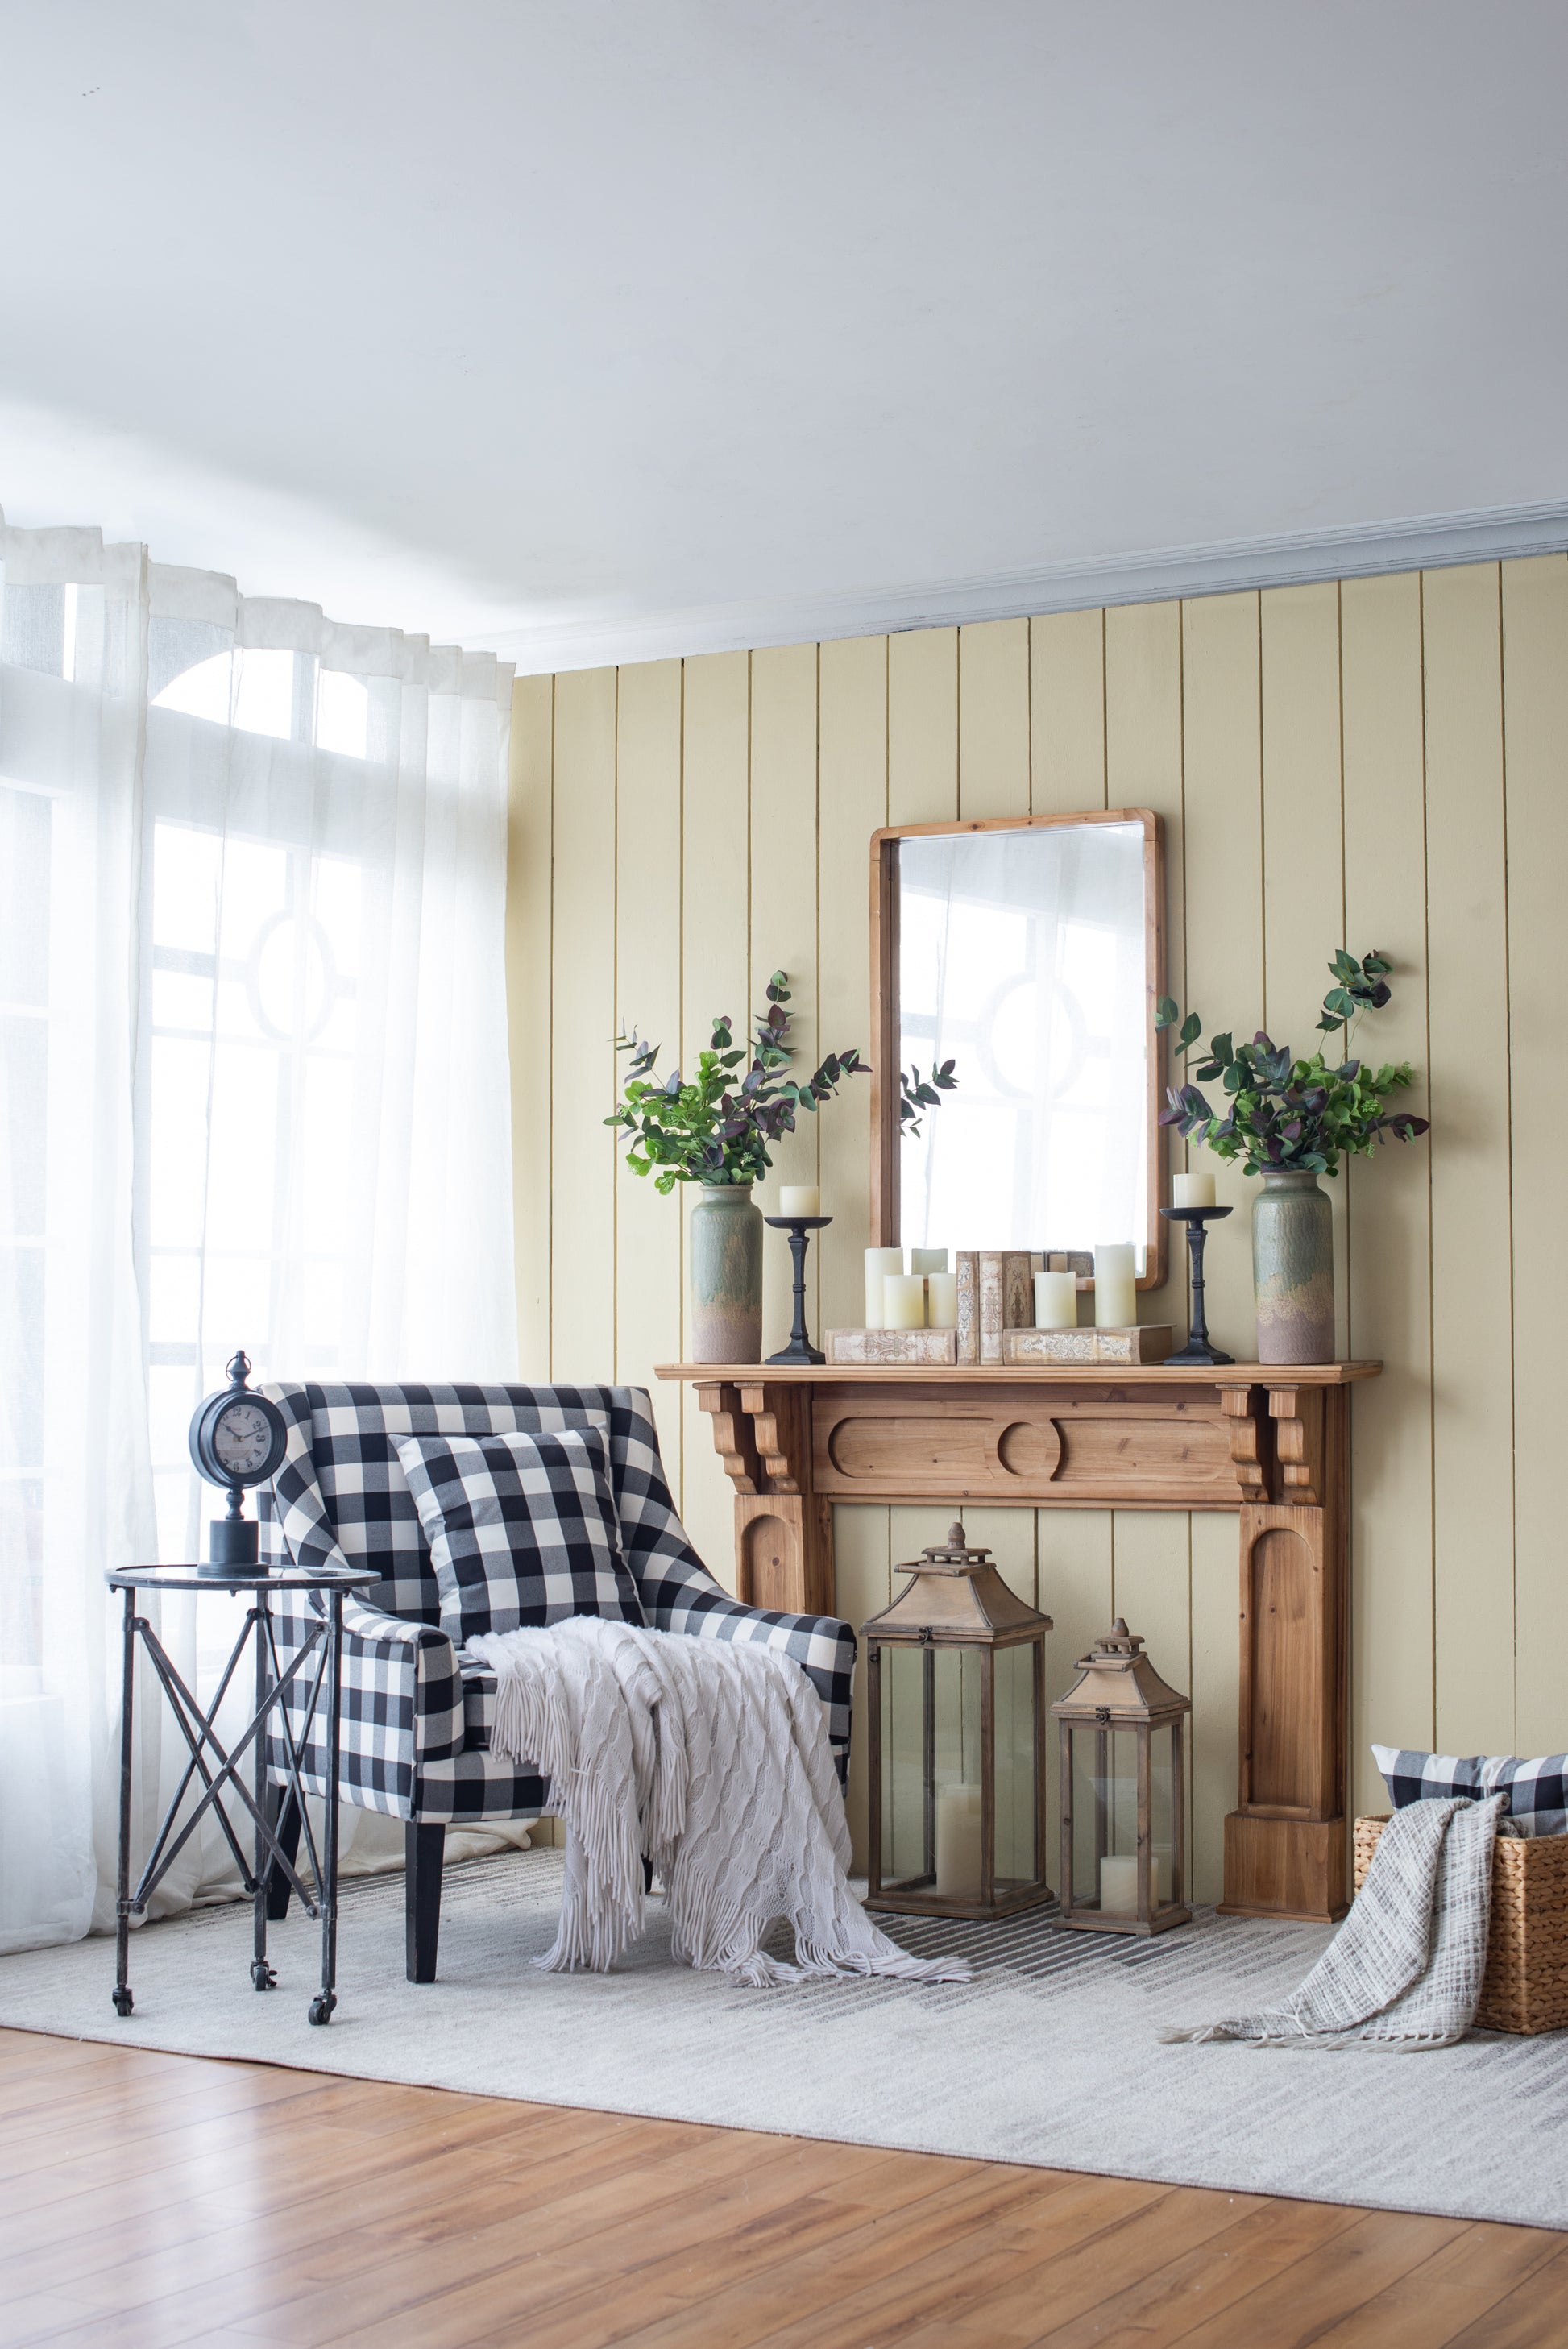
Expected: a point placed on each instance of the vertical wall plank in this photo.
(715, 951)
(648, 1278)
(994, 718)
(1224, 882)
(1535, 696)
(784, 936)
(1304, 853)
(583, 1072)
(1223, 864)
(1152, 1564)
(852, 699)
(1390, 1196)
(1066, 763)
(1067, 713)
(528, 1010)
(1472, 1349)
(922, 672)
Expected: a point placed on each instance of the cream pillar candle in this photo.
(798, 1199)
(942, 1300)
(1119, 1884)
(928, 1261)
(1055, 1300)
(904, 1300)
(958, 1842)
(1115, 1285)
(1191, 1190)
(879, 1262)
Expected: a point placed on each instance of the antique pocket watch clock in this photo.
(237, 1438)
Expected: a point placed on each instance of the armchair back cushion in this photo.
(521, 1528)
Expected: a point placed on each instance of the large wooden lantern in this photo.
(956, 1678)
(1123, 1780)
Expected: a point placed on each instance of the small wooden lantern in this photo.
(1123, 1792)
(957, 1741)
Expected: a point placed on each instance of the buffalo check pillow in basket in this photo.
(1537, 1791)
(523, 1528)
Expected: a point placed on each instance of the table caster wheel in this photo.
(123, 2001)
(261, 1974)
(321, 2008)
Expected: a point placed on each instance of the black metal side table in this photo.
(272, 1684)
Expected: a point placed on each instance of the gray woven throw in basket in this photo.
(1404, 1971)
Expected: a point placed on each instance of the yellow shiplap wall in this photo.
(1385, 763)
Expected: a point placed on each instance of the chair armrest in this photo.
(822, 1646)
(402, 1706)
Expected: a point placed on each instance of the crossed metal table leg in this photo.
(272, 1858)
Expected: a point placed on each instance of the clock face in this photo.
(241, 1438)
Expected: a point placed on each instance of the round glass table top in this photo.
(241, 1578)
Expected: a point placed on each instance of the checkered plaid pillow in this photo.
(1537, 1791)
(521, 1528)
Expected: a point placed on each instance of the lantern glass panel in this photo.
(1105, 1812)
(931, 1723)
(1017, 1829)
(1162, 1836)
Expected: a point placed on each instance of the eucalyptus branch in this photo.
(1293, 1114)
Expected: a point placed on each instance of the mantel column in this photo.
(783, 1531)
(1285, 1841)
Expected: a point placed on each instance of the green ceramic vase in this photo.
(1292, 1269)
(724, 1239)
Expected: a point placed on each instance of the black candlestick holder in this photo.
(1197, 1349)
(799, 1227)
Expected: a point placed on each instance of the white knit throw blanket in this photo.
(1404, 1971)
(712, 1759)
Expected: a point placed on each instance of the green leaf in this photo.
(1191, 1029)
(1166, 1012)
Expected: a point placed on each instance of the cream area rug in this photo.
(1051, 2054)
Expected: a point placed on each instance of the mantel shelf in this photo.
(1265, 1441)
(1071, 1374)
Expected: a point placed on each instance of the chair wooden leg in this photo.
(283, 1817)
(423, 1848)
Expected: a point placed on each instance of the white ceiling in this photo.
(593, 327)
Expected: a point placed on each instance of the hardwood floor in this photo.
(152, 2201)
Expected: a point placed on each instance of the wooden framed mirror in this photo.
(1029, 950)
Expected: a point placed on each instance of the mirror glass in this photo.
(1026, 954)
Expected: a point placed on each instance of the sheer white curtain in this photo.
(254, 1093)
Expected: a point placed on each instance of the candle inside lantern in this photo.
(880, 1261)
(1115, 1285)
(1055, 1300)
(1119, 1884)
(904, 1300)
(958, 1842)
(798, 1199)
(928, 1261)
(1192, 1190)
(942, 1300)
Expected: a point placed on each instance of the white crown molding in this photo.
(1425, 541)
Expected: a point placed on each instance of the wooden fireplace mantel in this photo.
(1266, 1439)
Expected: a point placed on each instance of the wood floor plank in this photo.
(1301, 2305)
(156, 2201)
(1168, 2303)
(1466, 2281)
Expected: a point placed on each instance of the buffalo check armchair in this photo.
(416, 1717)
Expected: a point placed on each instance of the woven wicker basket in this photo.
(1526, 1984)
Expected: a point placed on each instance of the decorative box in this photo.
(1148, 1341)
(938, 1347)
